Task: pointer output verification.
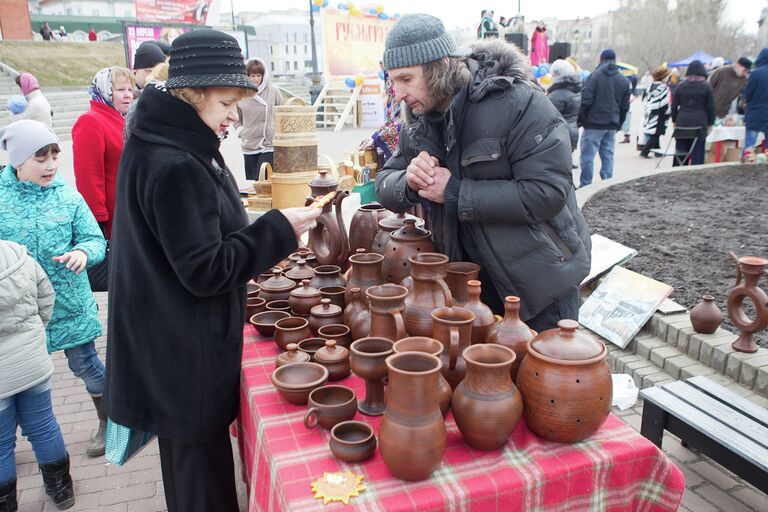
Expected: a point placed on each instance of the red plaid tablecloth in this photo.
(616, 469)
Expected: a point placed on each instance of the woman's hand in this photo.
(302, 219)
(74, 260)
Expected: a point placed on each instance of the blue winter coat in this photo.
(50, 221)
(756, 94)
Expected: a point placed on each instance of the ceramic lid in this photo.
(323, 180)
(394, 222)
(325, 309)
(300, 271)
(410, 231)
(567, 343)
(293, 355)
(278, 282)
(305, 290)
(331, 353)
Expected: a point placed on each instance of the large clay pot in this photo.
(453, 328)
(512, 333)
(389, 224)
(706, 317)
(412, 433)
(486, 404)
(458, 274)
(365, 226)
(356, 315)
(428, 346)
(566, 384)
(324, 314)
(277, 287)
(428, 292)
(484, 317)
(386, 304)
(326, 276)
(365, 272)
(328, 239)
(303, 298)
(404, 243)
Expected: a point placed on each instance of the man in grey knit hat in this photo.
(489, 158)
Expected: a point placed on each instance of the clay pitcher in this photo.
(365, 226)
(706, 316)
(453, 328)
(365, 272)
(512, 333)
(386, 304)
(458, 274)
(389, 224)
(412, 433)
(428, 292)
(404, 243)
(356, 316)
(751, 268)
(328, 239)
(428, 346)
(484, 317)
(486, 404)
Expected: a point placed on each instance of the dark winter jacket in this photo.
(756, 94)
(727, 86)
(565, 95)
(509, 152)
(693, 103)
(605, 99)
(182, 252)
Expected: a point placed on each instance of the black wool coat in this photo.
(182, 252)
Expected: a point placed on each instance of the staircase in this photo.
(337, 106)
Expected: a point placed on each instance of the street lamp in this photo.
(315, 88)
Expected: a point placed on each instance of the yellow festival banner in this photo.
(353, 44)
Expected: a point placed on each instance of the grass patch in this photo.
(61, 64)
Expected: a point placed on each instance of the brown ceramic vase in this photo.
(706, 317)
(367, 359)
(291, 330)
(412, 433)
(486, 404)
(303, 298)
(365, 226)
(386, 305)
(327, 275)
(457, 275)
(328, 239)
(404, 243)
(427, 293)
(484, 317)
(512, 333)
(565, 383)
(356, 315)
(751, 268)
(428, 346)
(365, 272)
(453, 328)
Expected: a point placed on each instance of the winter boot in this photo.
(58, 483)
(626, 139)
(8, 501)
(99, 440)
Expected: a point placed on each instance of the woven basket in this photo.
(263, 186)
(295, 140)
(291, 190)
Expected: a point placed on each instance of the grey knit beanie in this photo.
(22, 139)
(417, 39)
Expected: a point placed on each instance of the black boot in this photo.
(99, 440)
(58, 483)
(8, 501)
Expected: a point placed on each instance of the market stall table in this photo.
(616, 469)
(722, 134)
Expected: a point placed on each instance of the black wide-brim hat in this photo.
(207, 58)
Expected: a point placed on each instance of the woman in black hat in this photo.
(182, 252)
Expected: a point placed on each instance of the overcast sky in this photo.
(458, 13)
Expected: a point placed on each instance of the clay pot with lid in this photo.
(386, 305)
(486, 404)
(356, 315)
(267, 275)
(324, 314)
(389, 224)
(365, 225)
(304, 298)
(428, 346)
(300, 272)
(326, 276)
(404, 243)
(457, 275)
(565, 383)
(485, 320)
(293, 355)
(428, 292)
(366, 271)
(706, 317)
(302, 254)
(277, 287)
(512, 332)
(335, 358)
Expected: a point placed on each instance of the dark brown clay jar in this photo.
(367, 359)
(366, 272)
(303, 298)
(453, 328)
(336, 359)
(356, 315)
(291, 330)
(324, 314)
(327, 275)
(428, 346)
(484, 317)
(293, 355)
(486, 404)
(353, 441)
(458, 274)
(277, 287)
(336, 294)
(428, 292)
(565, 383)
(339, 333)
(365, 225)
(512, 333)
(706, 317)
(386, 305)
(389, 224)
(412, 433)
(300, 272)
(404, 243)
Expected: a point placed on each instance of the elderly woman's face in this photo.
(219, 108)
(122, 94)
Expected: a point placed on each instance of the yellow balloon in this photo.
(359, 79)
(318, 3)
(355, 12)
(546, 79)
(379, 9)
(351, 6)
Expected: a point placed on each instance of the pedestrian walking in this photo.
(656, 108)
(565, 95)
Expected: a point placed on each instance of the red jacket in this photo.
(97, 143)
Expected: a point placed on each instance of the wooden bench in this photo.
(714, 420)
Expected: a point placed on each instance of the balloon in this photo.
(342, 7)
(539, 71)
(325, 3)
(383, 16)
(315, 8)
(354, 11)
(545, 67)
(359, 79)
(545, 80)
(318, 3)
(349, 82)
(381, 74)
(372, 11)
(379, 9)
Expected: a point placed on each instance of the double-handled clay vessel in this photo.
(386, 305)
(752, 268)
(428, 292)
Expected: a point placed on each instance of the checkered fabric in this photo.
(616, 469)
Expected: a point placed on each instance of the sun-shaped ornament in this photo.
(338, 487)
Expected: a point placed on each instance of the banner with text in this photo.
(194, 12)
(353, 44)
(137, 34)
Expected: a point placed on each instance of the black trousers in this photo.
(567, 306)
(199, 477)
(697, 155)
(253, 163)
(651, 143)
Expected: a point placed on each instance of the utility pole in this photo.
(315, 88)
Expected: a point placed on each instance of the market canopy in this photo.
(627, 69)
(699, 55)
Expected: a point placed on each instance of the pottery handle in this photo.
(738, 266)
(454, 348)
(311, 418)
(401, 332)
(446, 292)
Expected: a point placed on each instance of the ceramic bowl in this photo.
(264, 322)
(311, 345)
(352, 441)
(279, 305)
(296, 381)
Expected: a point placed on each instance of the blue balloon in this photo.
(342, 7)
(539, 71)
(381, 74)
(545, 67)
(372, 11)
(350, 82)
(325, 3)
(315, 8)
(383, 16)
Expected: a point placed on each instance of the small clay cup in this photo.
(339, 333)
(336, 294)
(297, 380)
(291, 330)
(253, 306)
(329, 406)
(353, 441)
(279, 305)
(265, 321)
(311, 345)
